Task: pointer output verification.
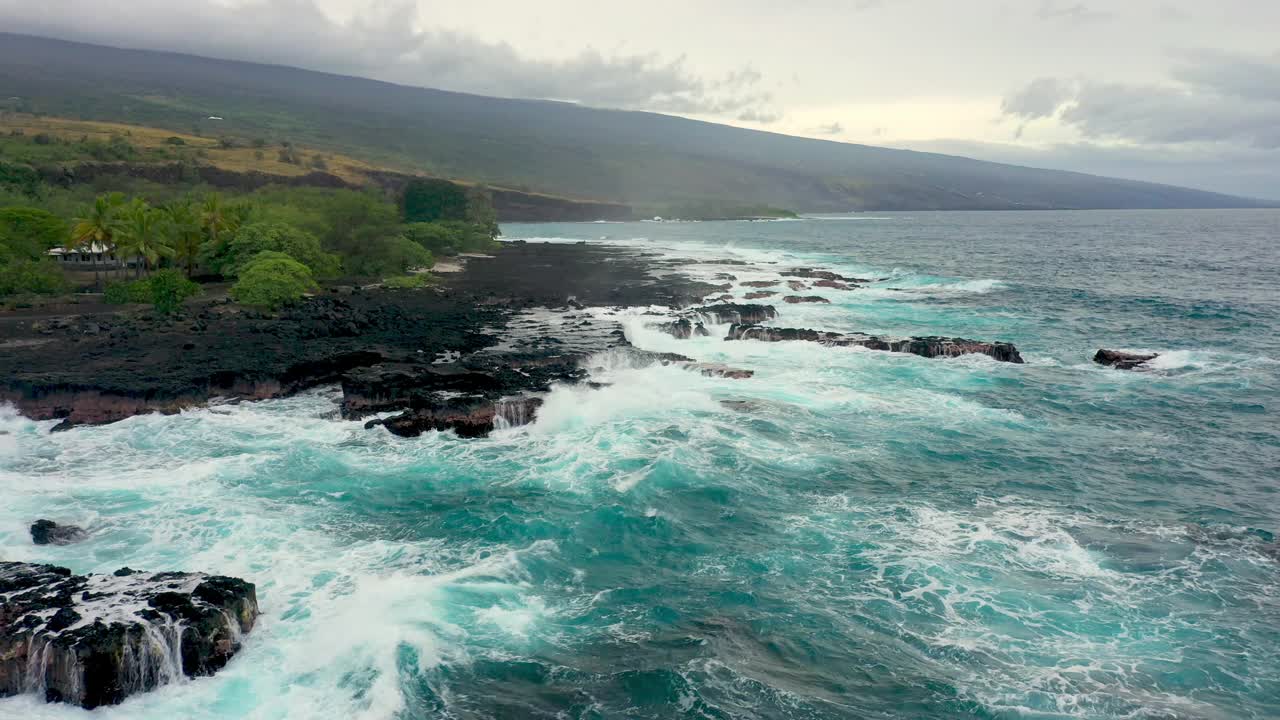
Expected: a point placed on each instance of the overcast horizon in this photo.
(1134, 92)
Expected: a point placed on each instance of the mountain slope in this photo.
(640, 158)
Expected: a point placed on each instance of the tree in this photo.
(259, 237)
(98, 227)
(429, 200)
(167, 289)
(214, 219)
(25, 236)
(272, 279)
(220, 221)
(142, 234)
(480, 211)
(32, 230)
(364, 230)
(185, 232)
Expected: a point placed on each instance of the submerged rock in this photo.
(833, 284)
(930, 347)
(721, 370)
(1123, 360)
(821, 275)
(760, 283)
(760, 294)
(48, 532)
(796, 299)
(92, 640)
(796, 285)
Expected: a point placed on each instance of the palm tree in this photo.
(186, 232)
(214, 219)
(142, 234)
(98, 228)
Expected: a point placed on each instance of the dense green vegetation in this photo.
(277, 243)
(644, 159)
(26, 233)
(272, 279)
(165, 290)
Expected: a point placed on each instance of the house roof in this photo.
(95, 248)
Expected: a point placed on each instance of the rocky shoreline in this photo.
(470, 355)
(101, 368)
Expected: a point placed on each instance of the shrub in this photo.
(166, 290)
(451, 237)
(127, 293)
(272, 279)
(408, 282)
(24, 276)
(435, 237)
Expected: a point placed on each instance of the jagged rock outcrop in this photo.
(833, 284)
(468, 416)
(796, 299)
(930, 347)
(728, 313)
(392, 386)
(93, 640)
(1123, 360)
(48, 532)
(796, 285)
(684, 328)
(760, 283)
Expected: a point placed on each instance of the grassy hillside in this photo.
(641, 158)
(73, 141)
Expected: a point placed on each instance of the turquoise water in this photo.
(870, 536)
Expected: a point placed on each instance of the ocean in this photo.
(848, 534)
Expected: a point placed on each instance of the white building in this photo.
(97, 256)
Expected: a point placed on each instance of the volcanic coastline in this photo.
(469, 355)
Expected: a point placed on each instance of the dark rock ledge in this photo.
(929, 347)
(92, 640)
(693, 322)
(1123, 360)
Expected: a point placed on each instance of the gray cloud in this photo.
(382, 42)
(1039, 99)
(1212, 98)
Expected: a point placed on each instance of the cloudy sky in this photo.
(1178, 91)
